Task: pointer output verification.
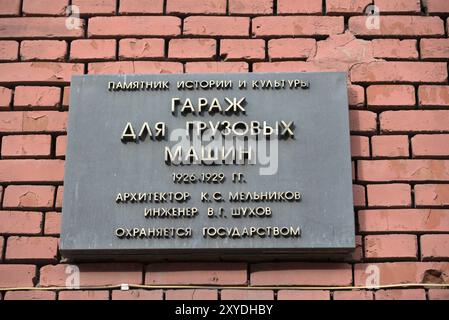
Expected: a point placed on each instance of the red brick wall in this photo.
(399, 112)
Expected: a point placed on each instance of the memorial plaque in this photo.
(199, 165)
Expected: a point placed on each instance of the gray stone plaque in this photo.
(197, 165)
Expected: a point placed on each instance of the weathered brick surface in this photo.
(398, 108)
(26, 146)
(20, 222)
(31, 248)
(196, 273)
(45, 50)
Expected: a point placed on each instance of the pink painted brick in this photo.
(196, 273)
(230, 294)
(192, 49)
(31, 248)
(17, 275)
(303, 295)
(389, 195)
(390, 146)
(388, 96)
(251, 7)
(358, 192)
(92, 50)
(401, 294)
(432, 194)
(5, 98)
(44, 50)
(141, 6)
(191, 294)
(84, 295)
(44, 7)
(353, 295)
(360, 146)
(398, 6)
(141, 48)
(391, 246)
(137, 294)
(212, 67)
(291, 48)
(10, 7)
(25, 196)
(30, 295)
(52, 223)
(26, 98)
(59, 197)
(9, 50)
(434, 246)
(362, 121)
(26, 146)
(395, 49)
(293, 7)
(434, 49)
(242, 49)
(20, 222)
(430, 145)
(61, 145)
(433, 95)
(438, 294)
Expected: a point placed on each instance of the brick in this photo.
(24, 196)
(242, 49)
(212, 67)
(432, 194)
(39, 72)
(31, 248)
(26, 146)
(291, 48)
(98, 7)
(66, 97)
(414, 121)
(138, 295)
(20, 222)
(293, 7)
(394, 49)
(135, 26)
(188, 49)
(399, 71)
(216, 26)
(390, 96)
(430, 145)
(434, 246)
(31, 170)
(196, 273)
(356, 95)
(403, 170)
(389, 195)
(141, 6)
(399, 26)
(438, 294)
(434, 49)
(251, 7)
(404, 272)
(404, 220)
(437, 6)
(301, 273)
(36, 97)
(61, 145)
(84, 295)
(5, 98)
(394, 246)
(398, 6)
(297, 26)
(391, 146)
(92, 50)
(303, 295)
(401, 294)
(9, 50)
(33, 121)
(52, 223)
(191, 294)
(136, 67)
(2, 244)
(353, 295)
(59, 197)
(44, 7)
(45, 50)
(192, 6)
(290, 66)
(230, 294)
(358, 192)
(141, 48)
(10, 7)
(346, 7)
(359, 146)
(433, 95)
(30, 295)
(362, 121)
(42, 28)
(93, 274)
(17, 275)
